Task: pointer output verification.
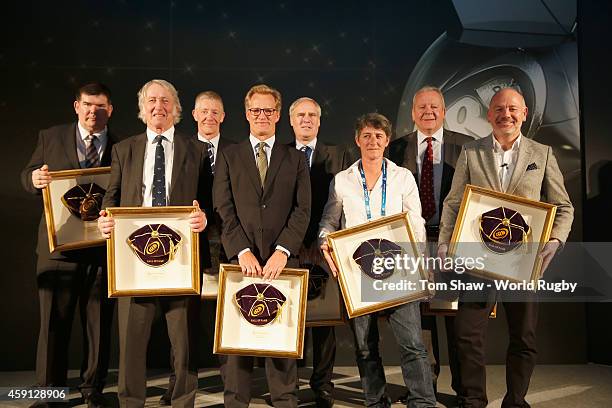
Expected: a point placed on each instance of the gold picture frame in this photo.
(522, 264)
(283, 337)
(65, 231)
(395, 228)
(128, 275)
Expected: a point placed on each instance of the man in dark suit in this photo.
(208, 113)
(430, 153)
(324, 162)
(79, 275)
(156, 168)
(262, 193)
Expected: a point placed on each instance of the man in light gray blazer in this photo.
(508, 162)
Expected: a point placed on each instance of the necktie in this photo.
(307, 150)
(91, 153)
(426, 187)
(159, 174)
(211, 156)
(262, 162)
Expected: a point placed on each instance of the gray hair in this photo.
(304, 99)
(142, 95)
(429, 88)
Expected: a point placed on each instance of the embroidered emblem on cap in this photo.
(84, 201)
(155, 244)
(503, 230)
(373, 249)
(260, 303)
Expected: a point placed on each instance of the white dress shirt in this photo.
(148, 167)
(268, 148)
(505, 160)
(438, 166)
(312, 144)
(215, 143)
(100, 143)
(345, 206)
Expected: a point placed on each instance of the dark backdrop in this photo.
(352, 57)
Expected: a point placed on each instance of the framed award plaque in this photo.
(370, 277)
(153, 252)
(507, 232)
(261, 318)
(72, 203)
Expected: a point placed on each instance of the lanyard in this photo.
(366, 195)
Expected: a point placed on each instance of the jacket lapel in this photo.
(523, 159)
(180, 151)
(488, 163)
(278, 153)
(139, 144)
(106, 155)
(320, 155)
(70, 147)
(247, 159)
(411, 154)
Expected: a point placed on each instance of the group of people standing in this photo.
(265, 206)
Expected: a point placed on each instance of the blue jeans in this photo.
(405, 321)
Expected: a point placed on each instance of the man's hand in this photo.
(442, 252)
(106, 224)
(330, 260)
(249, 265)
(275, 265)
(197, 219)
(41, 177)
(548, 252)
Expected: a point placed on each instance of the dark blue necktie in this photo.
(307, 150)
(211, 156)
(159, 174)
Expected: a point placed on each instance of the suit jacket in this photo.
(327, 161)
(403, 152)
(536, 176)
(261, 218)
(57, 148)
(191, 178)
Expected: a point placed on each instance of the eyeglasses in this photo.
(257, 111)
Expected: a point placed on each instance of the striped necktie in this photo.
(92, 157)
(159, 174)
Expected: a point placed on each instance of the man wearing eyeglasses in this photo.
(262, 194)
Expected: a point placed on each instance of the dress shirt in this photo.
(438, 166)
(149, 164)
(312, 144)
(215, 143)
(507, 157)
(269, 144)
(100, 143)
(345, 206)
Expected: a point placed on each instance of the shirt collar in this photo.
(498, 149)
(255, 141)
(312, 144)
(214, 140)
(438, 136)
(168, 134)
(84, 132)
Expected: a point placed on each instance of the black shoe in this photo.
(166, 399)
(324, 399)
(94, 400)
